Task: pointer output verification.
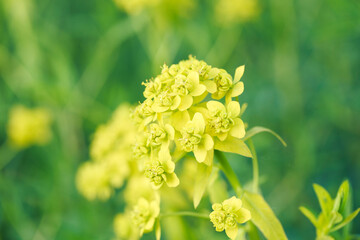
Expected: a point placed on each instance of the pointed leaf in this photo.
(263, 217)
(345, 189)
(255, 130)
(233, 145)
(201, 181)
(325, 201)
(347, 220)
(217, 187)
(309, 215)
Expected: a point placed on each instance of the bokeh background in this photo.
(81, 59)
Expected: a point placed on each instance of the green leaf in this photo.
(263, 217)
(326, 203)
(345, 190)
(233, 145)
(347, 220)
(217, 187)
(255, 130)
(201, 181)
(309, 215)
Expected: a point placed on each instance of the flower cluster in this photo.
(227, 215)
(183, 113)
(29, 126)
(111, 157)
(188, 110)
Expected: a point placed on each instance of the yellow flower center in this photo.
(154, 171)
(156, 135)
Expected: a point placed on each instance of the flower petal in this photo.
(215, 106)
(210, 86)
(232, 232)
(200, 153)
(170, 131)
(208, 142)
(239, 72)
(179, 119)
(193, 77)
(176, 102)
(172, 180)
(238, 130)
(243, 215)
(198, 90)
(169, 166)
(238, 89)
(233, 109)
(186, 102)
(199, 122)
(209, 157)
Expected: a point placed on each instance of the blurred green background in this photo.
(81, 59)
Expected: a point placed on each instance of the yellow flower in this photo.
(144, 214)
(143, 113)
(237, 87)
(195, 139)
(97, 179)
(92, 181)
(117, 133)
(188, 87)
(161, 169)
(223, 82)
(227, 215)
(29, 126)
(235, 11)
(224, 120)
(123, 227)
(138, 187)
(158, 135)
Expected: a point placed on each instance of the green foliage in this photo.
(263, 217)
(333, 215)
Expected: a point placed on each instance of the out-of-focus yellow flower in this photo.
(117, 134)
(235, 11)
(124, 229)
(135, 6)
(111, 152)
(143, 215)
(92, 181)
(227, 215)
(138, 187)
(29, 126)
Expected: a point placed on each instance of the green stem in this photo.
(255, 166)
(229, 172)
(185, 213)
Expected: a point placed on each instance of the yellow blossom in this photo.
(195, 139)
(223, 120)
(123, 227)
(143, 215)
(29, 126)
(227, 215)
(161, 169)
(235, 11)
